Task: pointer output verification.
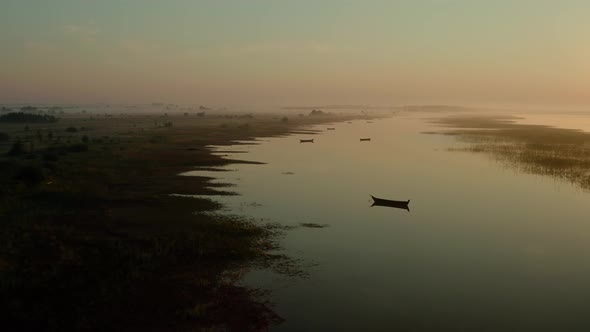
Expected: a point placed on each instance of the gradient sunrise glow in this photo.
(280, 53)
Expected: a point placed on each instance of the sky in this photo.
(272, 53)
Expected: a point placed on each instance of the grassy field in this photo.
(92, 239)
(535, 149)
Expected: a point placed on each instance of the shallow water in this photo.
(484, 248)
(579, 121)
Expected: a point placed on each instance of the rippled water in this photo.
(484, 248)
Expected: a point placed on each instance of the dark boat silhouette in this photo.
(405, 205)
(306, 140)
(331, 128)
(365, 139)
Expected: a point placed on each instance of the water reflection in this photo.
(460, 264)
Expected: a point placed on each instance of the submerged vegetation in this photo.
(535, 149)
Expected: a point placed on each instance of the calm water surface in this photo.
(484, 248)
(579, 121)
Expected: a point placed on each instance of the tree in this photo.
(28, 109)
(21, 117)
(317, 112)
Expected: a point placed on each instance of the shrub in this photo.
(156, 139)
(30, 174)
(50, 157)
(17, 149)
(4, 137)
(285, 119)
(71, 130)
(78, 148)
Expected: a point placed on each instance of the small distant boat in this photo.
(306, 140)
(369, 121)
(331, 128)
(365, 139)
(405, 205)
(349, 122)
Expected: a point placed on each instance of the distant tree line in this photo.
(317, 112)
(22, 117)
(28, 108)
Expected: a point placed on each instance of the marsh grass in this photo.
(557, 152)
(92, 239)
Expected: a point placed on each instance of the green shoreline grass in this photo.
(92, 239)
(535, 149)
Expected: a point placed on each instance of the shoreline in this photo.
(110, 230)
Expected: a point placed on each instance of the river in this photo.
(483, 247)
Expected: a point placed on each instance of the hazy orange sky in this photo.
(280, 53)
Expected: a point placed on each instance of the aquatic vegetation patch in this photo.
(557, 152)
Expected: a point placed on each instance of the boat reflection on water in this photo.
(404, 205)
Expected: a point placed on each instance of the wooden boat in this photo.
(306, 140)
(365, 139)
(405, 205)
(331, 128)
